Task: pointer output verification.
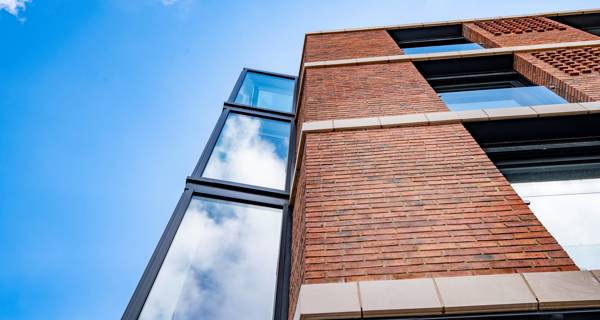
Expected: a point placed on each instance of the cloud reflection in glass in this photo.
(251, 150)
(221, 265)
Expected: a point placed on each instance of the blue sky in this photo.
(105, 107)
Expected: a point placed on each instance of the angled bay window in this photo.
(225, 253)
(432, 39)
(251, 150)
(482, 83)
(265, 91)
(554, 165)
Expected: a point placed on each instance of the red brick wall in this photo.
(348, 45)
(366, 90)
(412, 202)
(298, 241)
(522, 31)
(415, 201)
(573, 74)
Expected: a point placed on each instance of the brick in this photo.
(522, 31)
(347, 45)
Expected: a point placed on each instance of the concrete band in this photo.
(450, 295)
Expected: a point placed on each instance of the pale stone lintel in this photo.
(450, 55)
(436, 118)
(443, 117)
(450, 22)
(449, 295)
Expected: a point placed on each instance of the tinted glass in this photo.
(251, 150)
(442, 48)
(221, 265)
(264, 91)
(570, 210)
(500, 98)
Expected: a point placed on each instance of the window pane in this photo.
(570, 210)
(500, 98)
(442, 48)
(222, 264)
(265, 91)
(251, 150)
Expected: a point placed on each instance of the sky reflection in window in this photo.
(251, 150)
(266, 91)
(222, 264)
(570, 210)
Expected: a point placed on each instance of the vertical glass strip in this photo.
(221, 265)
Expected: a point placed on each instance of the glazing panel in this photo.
(265, 91)
(442, 48)
(221, 265)
(570, 210)
(500, 98)
(251, 150)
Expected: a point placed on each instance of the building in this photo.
(443, 170)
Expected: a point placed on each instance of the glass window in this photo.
(221, 265)
(442, 48)
(570, 210)
(500, 98)
(265, 91)
(251, 150)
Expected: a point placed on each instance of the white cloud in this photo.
(13, 6)
(164, 2)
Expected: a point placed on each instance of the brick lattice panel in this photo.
(519, 26)
(573, 62)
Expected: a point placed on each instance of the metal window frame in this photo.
(588, 22)
(428, 36)
(482, 73)
(214, 137)
(523, 149)
(193, 189)
(196, 185)
(240, 82)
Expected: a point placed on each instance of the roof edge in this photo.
(441, 23)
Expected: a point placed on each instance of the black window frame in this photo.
(469, 74)
(429, 36)
(541, 149)
(212, 142)
(240, 81)
(588, 22)
(196, 185)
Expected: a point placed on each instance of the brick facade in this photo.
(414, 202)
(421, 201)
(366, 90)
(522, 31)
(349, 45)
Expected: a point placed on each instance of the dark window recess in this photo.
(483, 82)
(472, 74)
(432, 39)
(589, 22)
(542, 149)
